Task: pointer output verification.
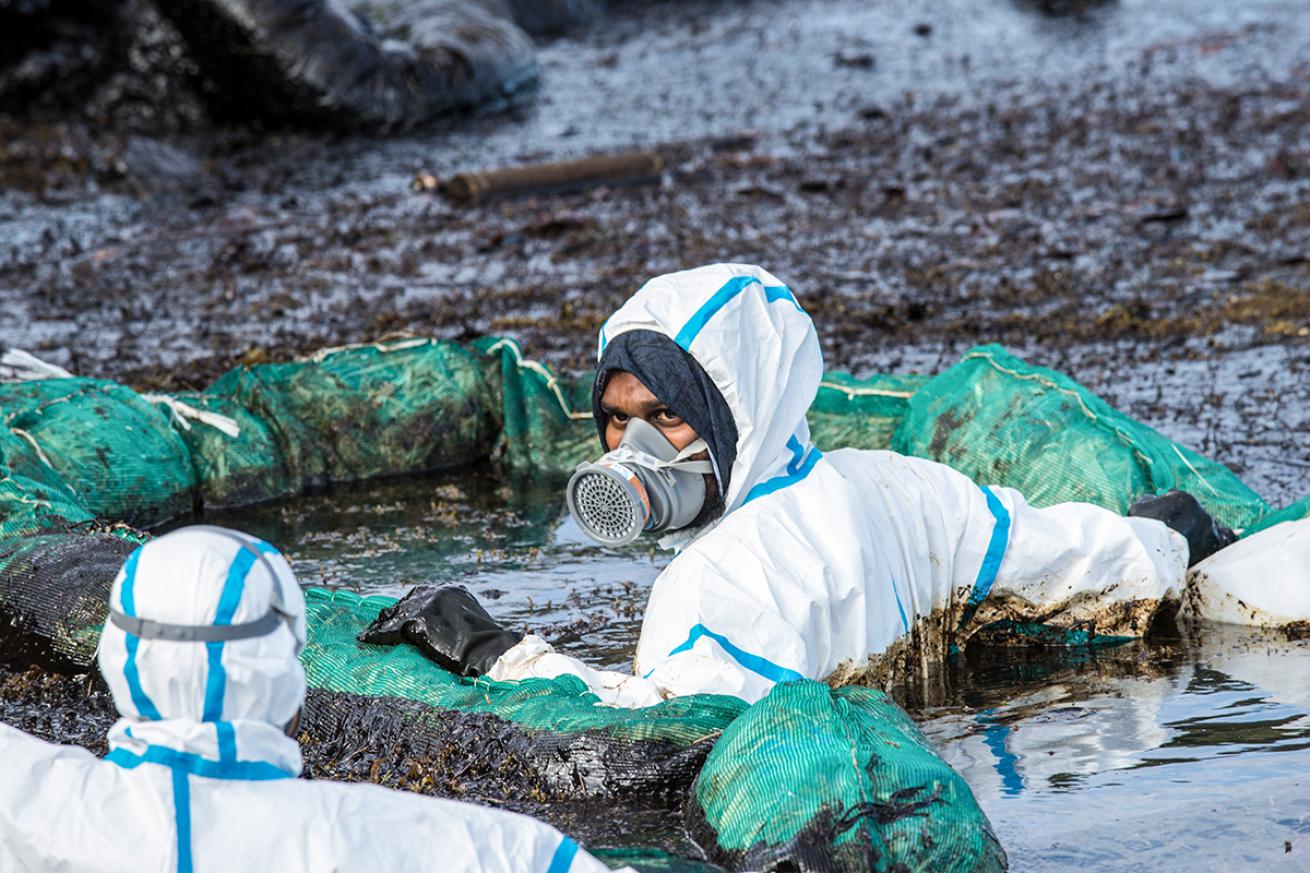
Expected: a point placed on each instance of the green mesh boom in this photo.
(805, 771)
(108, 446)
(1002, 421)
(335, 661)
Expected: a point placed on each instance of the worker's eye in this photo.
(666, 418)
(618, 418)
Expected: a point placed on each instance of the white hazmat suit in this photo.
(200, 772)
(824, 563)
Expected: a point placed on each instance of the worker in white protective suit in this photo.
(200, 653)
(794, 563)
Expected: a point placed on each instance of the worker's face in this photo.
(625, 398)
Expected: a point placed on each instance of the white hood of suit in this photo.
(750, 334)
(219, 702)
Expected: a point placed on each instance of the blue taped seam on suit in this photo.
(777, 482)
(252, 771)
(216, 681)
(563, 857)
(227, 740)
(709, 308)
(905, 622)
(182, 818)
(797, 454)
(991, 564)
(755, 663)
(730, 289)
(127, 600)
(774, 293)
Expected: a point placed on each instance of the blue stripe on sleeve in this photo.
(991, 564)
(754, 663)
(563, 858)
(905, 622)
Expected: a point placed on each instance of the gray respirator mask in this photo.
(643, 486)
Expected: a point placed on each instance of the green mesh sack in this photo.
(860, 413)
(235, 452)
(548, 426)
(32, 496)
(114, 450)
(1002, 421)
(1292, 512)
(546, 419)
(387, 409)
(815, 779)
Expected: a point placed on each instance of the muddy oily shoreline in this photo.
(1128, 207)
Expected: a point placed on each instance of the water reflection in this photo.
(1149, 756)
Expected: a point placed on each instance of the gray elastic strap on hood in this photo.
(147, 629)
(196, 633)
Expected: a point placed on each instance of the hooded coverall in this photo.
(830, 563)
(201, 775)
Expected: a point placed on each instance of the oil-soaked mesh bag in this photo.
(54, 591)
(357, 413)
(114, 450)
(1002, 421)
(812, 778)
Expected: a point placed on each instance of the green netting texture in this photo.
(32, 495)
(546, 419)
(369, 411)
(114, 450)
(335, 661)
(860, 413)
(1292, 512)
(1002, 421)
(548, 426)
(54, 591)
(650, 861)
(237, 461)
(839, 780)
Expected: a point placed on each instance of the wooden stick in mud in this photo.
(631, 168)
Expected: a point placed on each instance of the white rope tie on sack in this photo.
(17, 365)
(182, 411)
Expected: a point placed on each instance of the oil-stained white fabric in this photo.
(824, 560)
(1261, 581)
(200, 774)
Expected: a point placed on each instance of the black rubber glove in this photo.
(1182, 512)
(447, 625)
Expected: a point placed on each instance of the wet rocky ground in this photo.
(1119, 191)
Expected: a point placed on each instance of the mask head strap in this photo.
(147, 629)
